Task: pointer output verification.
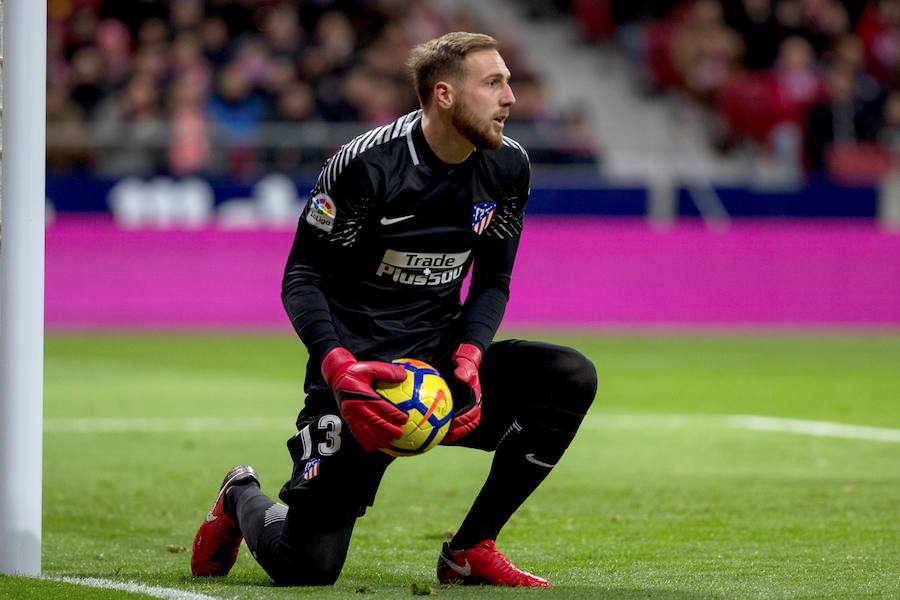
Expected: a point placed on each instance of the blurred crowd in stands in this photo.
(816, 82)
(240, 87)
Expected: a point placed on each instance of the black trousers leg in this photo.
(535, 396)
(296, 545)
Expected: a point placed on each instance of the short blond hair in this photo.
(442, 58)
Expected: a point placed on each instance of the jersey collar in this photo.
(426, 155)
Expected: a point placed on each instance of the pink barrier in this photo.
(570, 272)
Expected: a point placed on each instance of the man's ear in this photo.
(443, 94)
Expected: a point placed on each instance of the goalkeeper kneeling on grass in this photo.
(396, 219)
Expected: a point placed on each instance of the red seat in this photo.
(860, 164)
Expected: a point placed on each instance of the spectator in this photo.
(889, 133)
(576, 144)
(836, 120)
(790, 21)
(89, 85)
(847, 52)
(337, 40)
(829, 17)
(531, 101)
(66, 129)
(281, 76)
(296, 103)
(388, 52)
(384, 101)
(879, 30)
(187, 61)
(153, 33)
(133, 14)
(281, 28)
(186, 16)
(59, 70)
(152, 61)
(797, 82)
(214, 35)
(570, 140)
(344, 105)
(252, 58)
(796, 87)
(238, 15)
(234, 108)
(114, 46)
(754, 21)
(189, 144)
(235, 112)
(705, 51)
(423, 22)
(82, 27)
(130, 128)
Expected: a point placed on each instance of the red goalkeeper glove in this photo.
(373, 421)
(467, 359)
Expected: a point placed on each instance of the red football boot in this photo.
(483, 564)
(219, 538)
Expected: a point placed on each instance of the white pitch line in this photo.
(594, 421)
(165, 424)
(745, 422)
(655, 421)
(136, 588)
(816, 428)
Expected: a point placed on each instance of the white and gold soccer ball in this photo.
(425, 398)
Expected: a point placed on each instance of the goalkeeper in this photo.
(397, 218)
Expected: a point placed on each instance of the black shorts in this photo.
(333, 472)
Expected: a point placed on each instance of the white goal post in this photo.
(23, 39)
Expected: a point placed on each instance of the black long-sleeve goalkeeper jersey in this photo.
(386, 238)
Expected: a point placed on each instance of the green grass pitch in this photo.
(642, 505)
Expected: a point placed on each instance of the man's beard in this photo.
(466, 123)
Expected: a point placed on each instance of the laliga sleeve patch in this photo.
(321, 212)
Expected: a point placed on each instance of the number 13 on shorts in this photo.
(328, 425)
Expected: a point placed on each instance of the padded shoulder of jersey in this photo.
(510, 160)
(363, 143)
(510, 143)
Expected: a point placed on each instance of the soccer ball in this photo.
(425, 398)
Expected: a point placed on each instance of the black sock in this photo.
(260, 518)
(523, 459)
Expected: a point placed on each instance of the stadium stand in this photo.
(243, 87)
(813, 80)
(658, 101)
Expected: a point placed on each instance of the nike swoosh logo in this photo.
(392, 221)
(464, 570)
(530, 458)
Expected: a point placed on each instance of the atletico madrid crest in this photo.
(311, 469)
(482, 213)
